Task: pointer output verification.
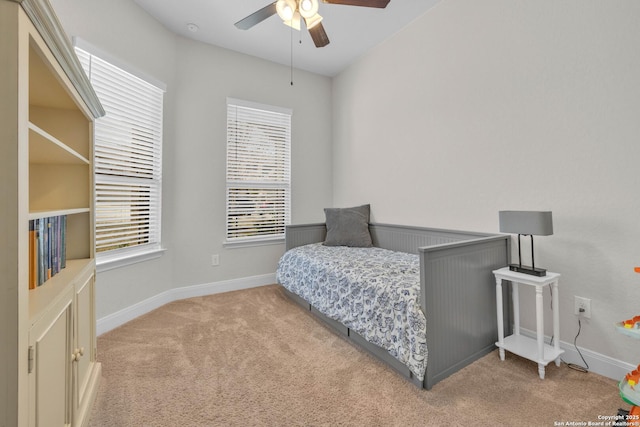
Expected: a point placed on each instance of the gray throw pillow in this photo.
(348, 226)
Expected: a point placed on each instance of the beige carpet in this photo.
(253, 358)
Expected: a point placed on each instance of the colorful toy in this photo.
(633, 377)
(627, 386)
(632, 323)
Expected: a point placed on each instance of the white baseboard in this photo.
(598, 363)
(125, 315)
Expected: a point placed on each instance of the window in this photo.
(127, 155)
(258, 171)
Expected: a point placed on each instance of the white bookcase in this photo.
(48, 367)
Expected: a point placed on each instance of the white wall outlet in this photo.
(582, 307)
(215, 260)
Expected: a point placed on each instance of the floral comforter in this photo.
(373, 291)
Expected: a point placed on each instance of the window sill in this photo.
(112, 261)
(250, 243)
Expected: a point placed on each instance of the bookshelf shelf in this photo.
(47, 213)
(46, 149)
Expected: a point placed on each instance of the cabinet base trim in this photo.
(84, 412)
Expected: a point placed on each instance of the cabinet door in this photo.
(49, 378)
(84, 347)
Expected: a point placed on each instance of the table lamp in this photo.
(527, 223)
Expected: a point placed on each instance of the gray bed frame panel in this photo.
(457, 292)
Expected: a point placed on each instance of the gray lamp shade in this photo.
(535, 223)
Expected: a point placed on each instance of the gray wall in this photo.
(199, 78)
(482, 106)
(207, 75)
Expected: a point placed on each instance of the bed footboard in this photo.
(459, 302)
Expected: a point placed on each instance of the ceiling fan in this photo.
(293, 11)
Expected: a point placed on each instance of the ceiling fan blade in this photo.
(366, 3)
(319, 36)
(257, 17)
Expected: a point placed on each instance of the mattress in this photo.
(373, 291)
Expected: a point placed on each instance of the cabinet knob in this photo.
(77, 354)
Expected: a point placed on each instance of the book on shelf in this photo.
(33, 279)
(47, 248)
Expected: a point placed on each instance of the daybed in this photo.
(457, 293)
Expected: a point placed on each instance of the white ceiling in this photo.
(352, 30)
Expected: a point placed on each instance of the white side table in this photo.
(535, 350)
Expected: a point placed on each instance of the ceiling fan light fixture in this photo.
(312, 21)
(294, 22)
(293, 11)
(286, 9)
(308, 8)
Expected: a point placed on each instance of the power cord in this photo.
(584, 368)
(574, 366)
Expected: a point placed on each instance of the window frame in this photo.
(283, 184)
(115, 258)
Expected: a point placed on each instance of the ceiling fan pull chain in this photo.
(291, 40)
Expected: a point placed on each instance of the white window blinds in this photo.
(258, 171)
(127, 154)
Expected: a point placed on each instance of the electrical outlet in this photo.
(582, 307)
(215, 260)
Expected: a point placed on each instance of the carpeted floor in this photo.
(253, 358)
